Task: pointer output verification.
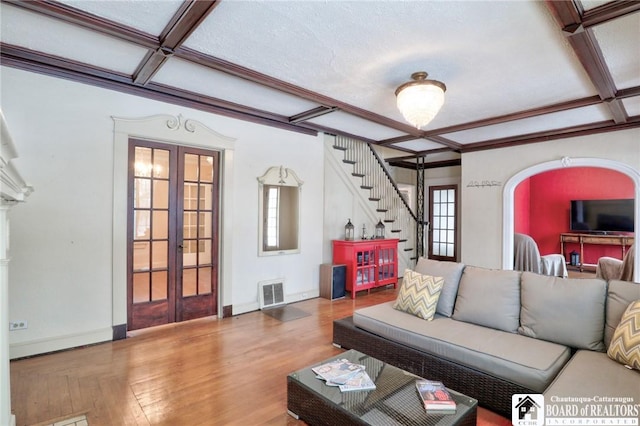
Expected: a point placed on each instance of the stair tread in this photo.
(341, 148)
(357, 174)
(366, 187)
(349, 161)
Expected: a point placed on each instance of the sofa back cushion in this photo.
(489, 297)
(569, 311)
(451, 272)
(619, 295)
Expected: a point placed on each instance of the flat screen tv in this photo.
(602, 216)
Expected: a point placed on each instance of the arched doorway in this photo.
(512, 183)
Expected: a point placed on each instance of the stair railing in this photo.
(368, 165)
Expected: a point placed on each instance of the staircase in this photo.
(383, 194)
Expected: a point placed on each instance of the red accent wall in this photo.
(550, 194)
(522, 208)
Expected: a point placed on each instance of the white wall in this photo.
(484, 174)
(61, 279)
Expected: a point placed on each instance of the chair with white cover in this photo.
(610, 268)
(526, 257)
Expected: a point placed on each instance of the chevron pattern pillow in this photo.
(419, 294)
(625, 343)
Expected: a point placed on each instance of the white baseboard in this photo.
(41, 346)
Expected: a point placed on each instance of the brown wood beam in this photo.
(584, 44)
(397, 139)
(312, 113)
(404, 157)
(426, 165)
(86, 20)
(568, 13)
(629, 92)
(451, 145)
(268, 81)
(548, 135)
(534, 112)
(20, 58)
(185, 22)
(586, 47)
(608, 12)
(433, 151)
(617, 110)
(182, 24)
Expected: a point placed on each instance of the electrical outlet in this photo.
(17, 325)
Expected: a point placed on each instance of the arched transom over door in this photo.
(172, 233)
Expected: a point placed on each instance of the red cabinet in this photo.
(370, 263)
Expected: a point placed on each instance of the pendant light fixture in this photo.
(420, 100)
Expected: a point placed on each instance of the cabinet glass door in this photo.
(386, 263)
(365, 269)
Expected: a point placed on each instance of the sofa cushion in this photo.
(566, 311)
(625, 344)
(418, 294)
(518, 359)
(451, 272)
(619, 295)
(590, 374)
(489, 297)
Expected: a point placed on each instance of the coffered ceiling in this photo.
(516, 71)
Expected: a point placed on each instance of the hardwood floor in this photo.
(203, 372)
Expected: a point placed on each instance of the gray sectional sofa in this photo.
(497, 333)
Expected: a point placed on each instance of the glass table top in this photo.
(395, 401)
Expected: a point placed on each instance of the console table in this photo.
(597, 239)
(370, 263)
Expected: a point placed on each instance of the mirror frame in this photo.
(277, 176)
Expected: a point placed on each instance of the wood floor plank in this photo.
(230, 371)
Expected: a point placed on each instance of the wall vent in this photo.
(271, 293)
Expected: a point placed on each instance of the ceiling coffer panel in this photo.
(515, 72)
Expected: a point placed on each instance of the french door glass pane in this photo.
(159, 285)
(160, 194)
(141, 224)
(160, 225)
(161, 163)
(160, 250)
(205, 252)
(204, 280)
(205, 196)
(140, 287)
(189, 282)
(206, 168)
(142, 193)
(191, 167)
(141, 256)
(143, 162)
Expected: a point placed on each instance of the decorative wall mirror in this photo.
(279, 206)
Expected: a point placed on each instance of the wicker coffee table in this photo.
(395, 400)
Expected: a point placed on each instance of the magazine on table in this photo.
(435, 396)
(360, 381)
(344, 374)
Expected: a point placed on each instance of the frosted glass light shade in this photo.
(421, 99)
(419, 104)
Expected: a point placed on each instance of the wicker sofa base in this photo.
(491, 392)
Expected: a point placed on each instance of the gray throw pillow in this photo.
(568, 311)
(489, 297)
(451, 272)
